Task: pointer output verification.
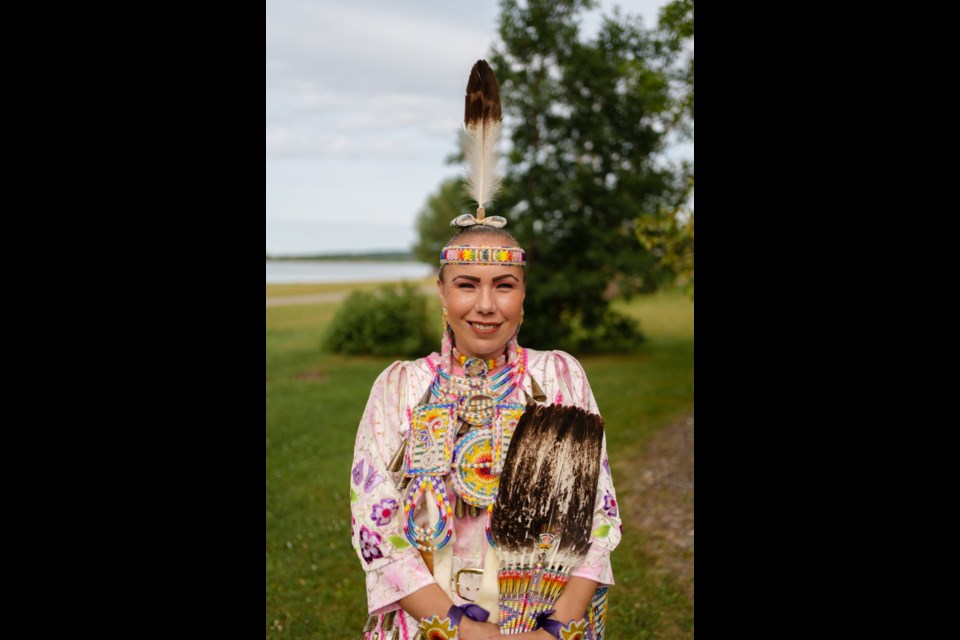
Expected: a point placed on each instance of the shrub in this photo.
(391, 322)
(617, 332)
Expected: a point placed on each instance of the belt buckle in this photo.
(475, 590)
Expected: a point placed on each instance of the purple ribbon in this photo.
(550, 626)
(473, 611)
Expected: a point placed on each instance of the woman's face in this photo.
(484, 304)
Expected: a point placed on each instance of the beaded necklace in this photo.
(476, 395)
(492, 363)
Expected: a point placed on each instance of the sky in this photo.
(364, 102)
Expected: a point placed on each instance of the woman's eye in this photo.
(505, 285)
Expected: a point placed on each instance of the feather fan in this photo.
(542, 518)
(482, 122)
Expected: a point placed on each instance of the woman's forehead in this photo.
(482, 271)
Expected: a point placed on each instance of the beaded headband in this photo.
(482, 121)
(504, 256)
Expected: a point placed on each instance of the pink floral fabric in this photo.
(393, 568)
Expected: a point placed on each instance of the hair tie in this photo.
(469, 220)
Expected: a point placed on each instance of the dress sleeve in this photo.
(606, 532)
(394, 568)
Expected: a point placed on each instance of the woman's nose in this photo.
(485, 302)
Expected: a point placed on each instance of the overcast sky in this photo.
(364, 101)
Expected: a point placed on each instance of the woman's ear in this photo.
(443, 298)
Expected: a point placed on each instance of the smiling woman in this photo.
(434, 440)
(483, 304)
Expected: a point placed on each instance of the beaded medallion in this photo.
(475, 367)
(471, 477)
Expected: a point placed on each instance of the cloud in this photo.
(358, 47)
(363, 103)
(346, 80)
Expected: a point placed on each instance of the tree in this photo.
(676, 35)
(668, 236)
(587, 123)
(667, 233)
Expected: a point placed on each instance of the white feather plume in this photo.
(480, 135)
(482, 159)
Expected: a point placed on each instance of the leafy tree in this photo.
(586, 189)
(676, 36)
(588, 123)
(668, 236)
(667, 233)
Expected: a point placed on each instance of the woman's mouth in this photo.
(484, 327)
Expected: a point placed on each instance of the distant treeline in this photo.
(376, 256)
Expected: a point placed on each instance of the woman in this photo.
(443, 566)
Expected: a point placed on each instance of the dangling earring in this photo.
(521, 318)
(443, 320)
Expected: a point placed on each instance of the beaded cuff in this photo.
(573, 630)
(437, 628)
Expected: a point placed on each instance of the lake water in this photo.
(282, 272)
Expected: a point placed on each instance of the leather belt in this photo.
(466, 579)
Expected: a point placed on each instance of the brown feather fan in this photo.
(542, 518)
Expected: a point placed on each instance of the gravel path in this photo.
(660, 500)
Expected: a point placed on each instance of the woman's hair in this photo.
(485, 236)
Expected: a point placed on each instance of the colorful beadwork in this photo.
(475, 367)
(471, 477)
(422, 537)
(475, 395)
(437, 628)
(486, 528)
(529, 583)
(492, 364)
(506, 256)
(575, 630)
(598, 614)
(432, 450)
(432, 433)
(507, 417)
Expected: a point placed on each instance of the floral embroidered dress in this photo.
(394, 568)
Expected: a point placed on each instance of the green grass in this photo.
(315, 583)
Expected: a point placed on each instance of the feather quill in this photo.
(482, 122)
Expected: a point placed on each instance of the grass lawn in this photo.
(314, 402)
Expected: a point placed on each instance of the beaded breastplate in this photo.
(465, 432)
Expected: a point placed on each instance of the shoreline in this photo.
(283, 294)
